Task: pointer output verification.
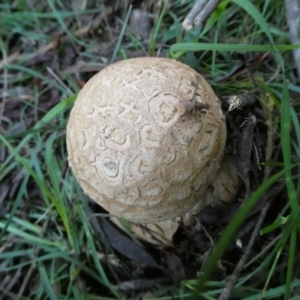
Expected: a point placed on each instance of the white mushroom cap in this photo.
(136, 145)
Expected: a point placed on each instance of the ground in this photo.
(55, 243)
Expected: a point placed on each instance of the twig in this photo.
(292, 15)
(205, 13)
(187, 23)
(59, 80)
(10, 282)
(199, 13)
(233, 278)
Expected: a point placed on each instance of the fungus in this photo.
(145, 139)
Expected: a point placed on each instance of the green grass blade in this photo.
(46, 282)
(272, 270)
(60, 21)
(296, 125)
(91, 246)
(215, 16)
(232, 228)
(184, 47)
(29, 238)
(286, 147)
(57, 204)
(36, 74)
(56, 110)
(26, 225)
(157, 26)
(291, 261)
(256, 15)
(17, 202)
(274, 293)
(118, 45)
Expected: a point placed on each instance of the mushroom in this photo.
(145, 139)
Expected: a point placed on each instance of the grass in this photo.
(51, 246)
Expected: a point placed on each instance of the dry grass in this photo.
(51, 245)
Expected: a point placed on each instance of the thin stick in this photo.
(233, 278)
(60, 81)
(189, 19)
(199, 13)
(205, 13)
